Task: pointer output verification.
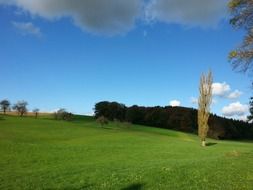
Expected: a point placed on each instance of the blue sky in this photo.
(58, 54)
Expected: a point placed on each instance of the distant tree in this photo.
(102, 120)
(58, 114)
(62, 114)
(204, 102)
(36, 112)
(20, 107)
(242, 18)
(5, 105)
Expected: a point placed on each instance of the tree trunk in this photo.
(203, 143)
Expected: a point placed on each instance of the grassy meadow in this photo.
(47, 154)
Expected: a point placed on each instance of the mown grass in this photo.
(47, 154)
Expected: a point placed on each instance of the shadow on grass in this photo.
(135, 186)
(109, 128)
(86, 186)
(210, 144)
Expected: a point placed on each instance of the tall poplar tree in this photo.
(204, 103)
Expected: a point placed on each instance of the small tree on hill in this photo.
(36, 112)
(5, 105)
(20, 107)
(62, 114)
(204, 102)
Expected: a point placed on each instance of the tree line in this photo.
(21, 108)
(175, 118)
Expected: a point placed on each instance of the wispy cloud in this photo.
(27, 28)
(204, 13)
(235, 94)
(194, 100)
(235, 109)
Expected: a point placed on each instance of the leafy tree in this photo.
(36, 112)
(250, 117)
(20, 107)
(136, 114)
(110, 110)
(204, 102)
(242, 18)
(5, 105)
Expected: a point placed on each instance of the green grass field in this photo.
(47, 154)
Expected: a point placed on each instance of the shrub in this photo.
(62, 114)
(102, 120)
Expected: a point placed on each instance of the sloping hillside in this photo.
(47, 154)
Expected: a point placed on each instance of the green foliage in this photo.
(110, 110)
(52, 154)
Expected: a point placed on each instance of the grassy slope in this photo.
(47, 154)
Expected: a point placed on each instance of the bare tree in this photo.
(204, 102)
(36, 112)
(20, 107)
(242, 18)
(5, 105)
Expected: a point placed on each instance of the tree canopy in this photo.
(5, 105)
(21, 107)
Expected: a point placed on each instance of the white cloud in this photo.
(27, 28)
(235, 109)
(175, 103)
(235, 94)
(220, 89)
(187, 12)
(194, 100)
(108, 17)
